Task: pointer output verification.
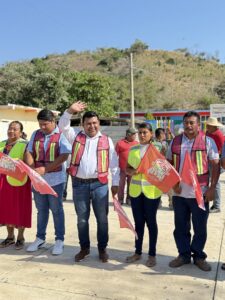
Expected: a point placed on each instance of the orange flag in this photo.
(11, 167)
(39, 184)
(158, 170)
(189, 177)
(123, 218)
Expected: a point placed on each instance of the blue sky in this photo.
(36, 28)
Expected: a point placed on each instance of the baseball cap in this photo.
(131, 131)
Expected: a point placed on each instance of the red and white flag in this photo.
(39, 184)
(123, 218)
(18, 170)
(11, 167)
(158, 170)
(189, 177)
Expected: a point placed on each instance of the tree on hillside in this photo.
(93, 89)
(220, 90)
(137, 47)
(31, 85)
(16, 83)
(49, 90)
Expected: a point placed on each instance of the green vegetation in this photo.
(162, 80)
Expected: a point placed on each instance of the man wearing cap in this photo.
(122, 148)
(213, 131)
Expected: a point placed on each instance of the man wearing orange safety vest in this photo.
(47, 153)
(92, 155)
(203, 151)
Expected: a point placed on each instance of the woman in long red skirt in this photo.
(15, 196)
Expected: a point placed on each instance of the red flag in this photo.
(158, 170)
(123, 218)
(11, 167)
(40, 185)
(189, 177)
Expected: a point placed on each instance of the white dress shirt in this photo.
(88, 163)
(187, 191)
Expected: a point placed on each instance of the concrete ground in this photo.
(43, 276)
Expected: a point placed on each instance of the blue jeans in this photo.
(186, 209)
(83, 193)
(144, 211)
(43, 204)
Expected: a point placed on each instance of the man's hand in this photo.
(114, 190)
(40, 170)
(76, 107)
(131, 171)
(177, 188)
(210, 194)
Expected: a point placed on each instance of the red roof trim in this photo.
(164, 113)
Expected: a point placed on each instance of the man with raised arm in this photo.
(92, 155)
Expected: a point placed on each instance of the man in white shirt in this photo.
(92, 155)
(203, 151)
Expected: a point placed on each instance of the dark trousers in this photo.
(145, 211)
(185, 211)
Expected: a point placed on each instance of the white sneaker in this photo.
(37, 244)
(58, 247)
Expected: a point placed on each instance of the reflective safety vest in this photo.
(42, 158)
(139, 184)
(198, 156)
(17, 152)
(102, 156)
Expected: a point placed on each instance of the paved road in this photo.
(43, 276)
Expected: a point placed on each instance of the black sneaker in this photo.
(214, 209)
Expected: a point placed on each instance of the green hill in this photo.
(162, 80)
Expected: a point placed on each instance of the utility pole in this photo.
(132, 90)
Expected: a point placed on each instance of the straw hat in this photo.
(213, 122)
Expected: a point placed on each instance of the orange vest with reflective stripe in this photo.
(42, 158)
(102, 156)
(199, 157)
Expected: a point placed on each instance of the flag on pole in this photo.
(11, 167)
(123, 218)
(189, 177)
(158, 170)
(39, 183)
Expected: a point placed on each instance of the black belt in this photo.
(88, 180)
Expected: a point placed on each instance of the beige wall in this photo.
(27, 118)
